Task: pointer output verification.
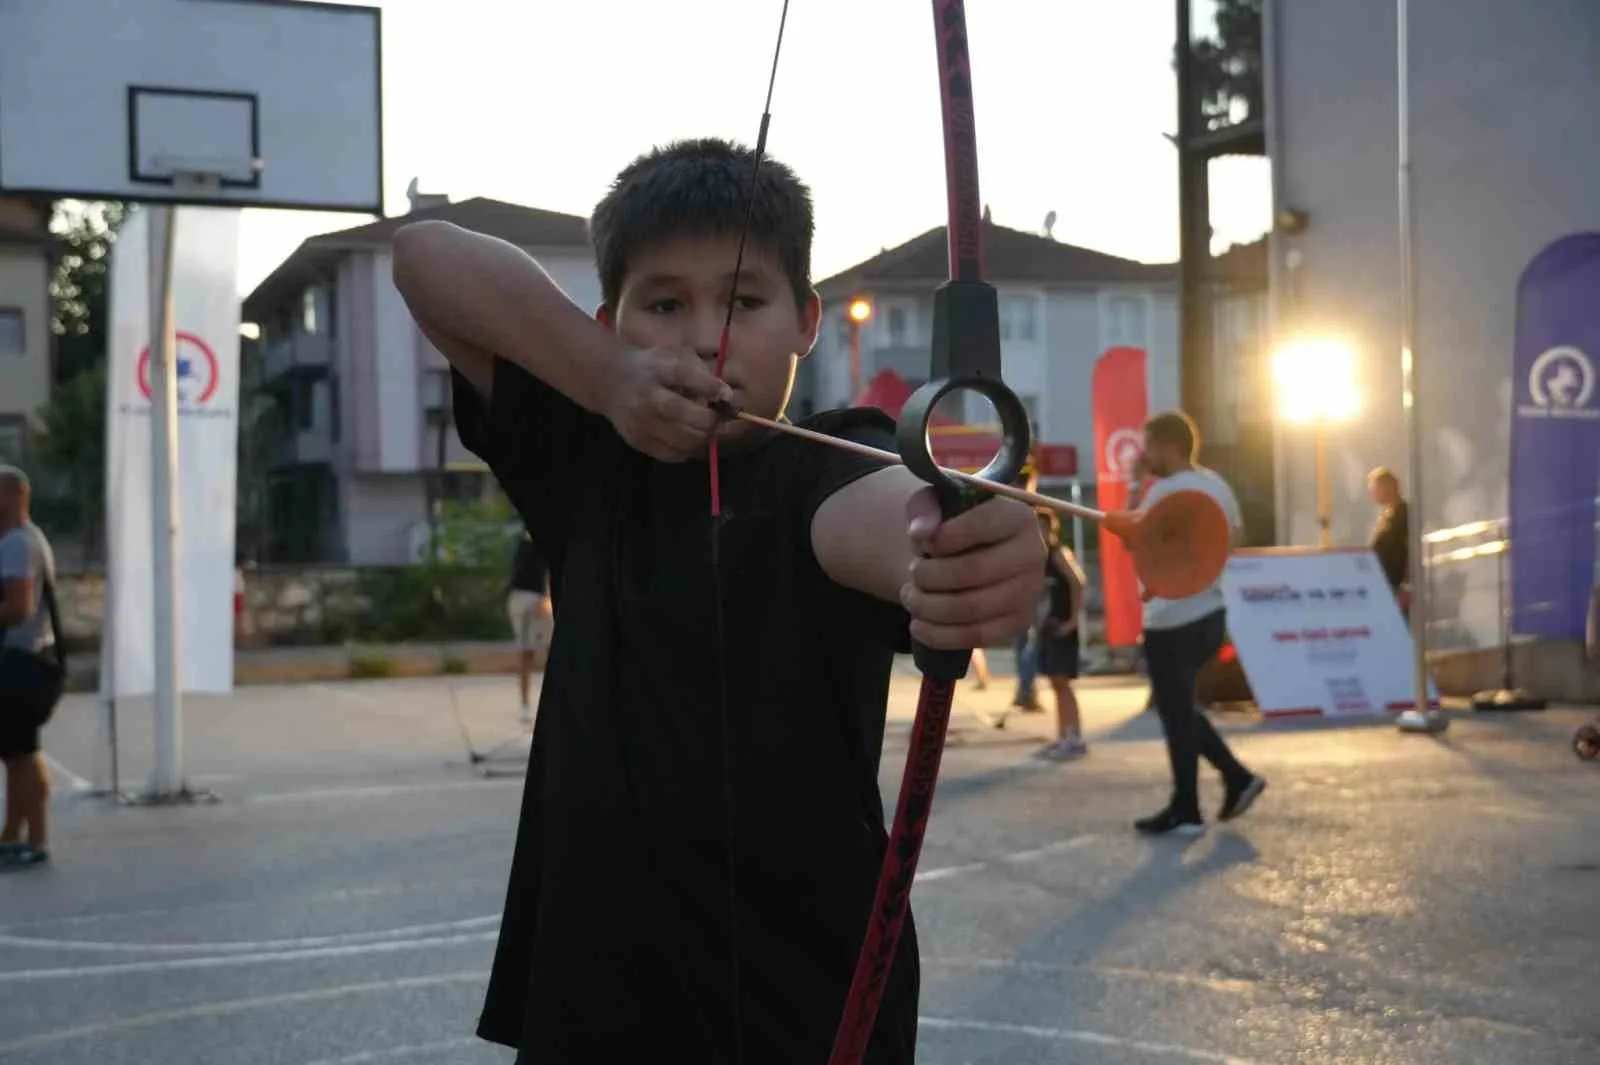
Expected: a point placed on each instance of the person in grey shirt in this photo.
(31, 677)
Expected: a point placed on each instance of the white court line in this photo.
(1222, 985)
(348, 946)
(1014, 858)
(1077, 1035)
(78, 783)
(219, 961)
(1048, 849)
(946, 872)
(377, 791)
(417, 931)
(398, 1052)
(344, 693)
(238, 1005)
(159, 911)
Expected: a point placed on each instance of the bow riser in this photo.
(966, 356)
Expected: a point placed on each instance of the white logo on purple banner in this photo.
(1561, 383)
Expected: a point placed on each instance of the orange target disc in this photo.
(1180, 545)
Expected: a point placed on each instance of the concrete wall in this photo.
(1504, 160)
(25, 286)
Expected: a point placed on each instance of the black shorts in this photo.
(1058, 655)
(30, 688)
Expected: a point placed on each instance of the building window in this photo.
(330, 308)
(13, 441)
(897, 327)
(1125, 322)
(1019, 318)
(13, 337)
(308, 311)
(302, 404)
(1031, 405)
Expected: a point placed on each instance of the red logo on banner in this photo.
(1120, 406)
(197, 370)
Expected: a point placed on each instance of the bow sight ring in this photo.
(916, 450)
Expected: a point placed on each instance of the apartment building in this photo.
(25, 341)
(1061, 306)
(356, 431)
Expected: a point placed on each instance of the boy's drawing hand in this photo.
(658, 402)
(980, 575)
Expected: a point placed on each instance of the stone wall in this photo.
(283, 605)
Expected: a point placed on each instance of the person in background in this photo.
(1022, 647)
(980, 669)
(1391, 536)
(32, 677)
(1025, 648)
(532, 619)
(1057, 641)
(1181, 636)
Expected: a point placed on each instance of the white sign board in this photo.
(1319, 633)
(206, 306)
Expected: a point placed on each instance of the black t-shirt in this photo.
(528, 567)
(1057, 589)
(615, 941)
(1391, 542)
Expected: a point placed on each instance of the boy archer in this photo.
(620, 941)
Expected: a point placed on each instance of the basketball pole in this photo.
(166, 782)
(1420, 718)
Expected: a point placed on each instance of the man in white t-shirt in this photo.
(30, 674)
(1181, 636)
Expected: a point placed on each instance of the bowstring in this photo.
(730, 826)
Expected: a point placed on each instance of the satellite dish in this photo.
(1050, 225)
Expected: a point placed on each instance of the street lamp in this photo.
(859, 311)
(1315, 384)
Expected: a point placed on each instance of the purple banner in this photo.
(1555, 439)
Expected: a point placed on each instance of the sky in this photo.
(541, 103)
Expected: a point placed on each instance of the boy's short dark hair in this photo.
(1176, 428)
(697, 188)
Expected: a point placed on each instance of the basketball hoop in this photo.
(194, 174)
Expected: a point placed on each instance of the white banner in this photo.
(206, 308)
(1319, 633)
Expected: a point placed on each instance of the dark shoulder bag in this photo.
(42, 678)
(60, 641)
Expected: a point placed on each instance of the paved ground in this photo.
(1393, 899)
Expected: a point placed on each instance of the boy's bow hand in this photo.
(658, 401)
(979, 576)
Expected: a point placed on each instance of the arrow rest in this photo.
(956, 497)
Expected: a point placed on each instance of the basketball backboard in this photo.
(251, 103)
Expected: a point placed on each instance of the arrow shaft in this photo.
(1022, 495)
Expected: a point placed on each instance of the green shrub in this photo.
(369, 663)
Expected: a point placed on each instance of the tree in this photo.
(80, 286)
(72, 447)
(73, 454)
(1227, 64)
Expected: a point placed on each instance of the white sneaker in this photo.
(1063, 750)
(525, 715)
(1415, 720)
(995, 719)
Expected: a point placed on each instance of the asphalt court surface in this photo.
(1391, 899)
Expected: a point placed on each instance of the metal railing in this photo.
(1469, 582)
(1467, 590)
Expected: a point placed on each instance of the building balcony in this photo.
(306, 447)
(302, 352)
